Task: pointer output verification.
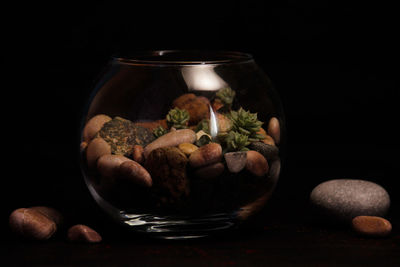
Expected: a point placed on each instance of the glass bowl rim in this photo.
(182, 57)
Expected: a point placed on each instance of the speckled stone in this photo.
(268, 151)
(344, 199)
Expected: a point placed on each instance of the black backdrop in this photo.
(334, 66)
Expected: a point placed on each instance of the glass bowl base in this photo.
(178, 227)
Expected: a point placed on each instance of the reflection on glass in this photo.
(202, 78)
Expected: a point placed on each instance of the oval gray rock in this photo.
(344, 199)
(235, 161)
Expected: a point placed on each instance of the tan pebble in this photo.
(210, 171)
(83, 233)
(187, 148)
(206, 155)
(93, 126)
(50, 213)
(96, 148)
(137, 154)
(256, 163)
(107, 165)
(274, 129)
(32, 224)
(171, 139)
(135, 173)
(372, 226)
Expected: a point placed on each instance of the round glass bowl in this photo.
(181, 144)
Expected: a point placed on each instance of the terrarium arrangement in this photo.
(205, 159)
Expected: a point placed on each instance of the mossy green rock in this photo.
(122, 134)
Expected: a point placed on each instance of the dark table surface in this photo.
(274, 238)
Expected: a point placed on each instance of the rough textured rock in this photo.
(371, 226)
(197, 106)
(268, 151)
(167, 167)
(235, 161)
(122, 135)
(344, 199)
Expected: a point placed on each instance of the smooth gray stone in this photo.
(268, 151)
(235, 161)
(344, 199)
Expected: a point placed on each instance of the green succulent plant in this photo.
(226, 95)
(204, 125)
(178, 118)
(159, 131)
(246, 123)
(236, 141)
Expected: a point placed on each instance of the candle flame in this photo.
(213, 123)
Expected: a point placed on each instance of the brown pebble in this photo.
(197, 106)
(151, 125)
(50, 213)
(93, 126)
(136, 173)
(206, 155)
(274, 129)
(83, 233)
(371, 226)
(96, 148)
(224, 124)
(210, 171)
(268, 139)
(107, 165)
(32, 224)
(217, 104)
(137, 154)
(187, 148)
(256, 163)
(171, 139)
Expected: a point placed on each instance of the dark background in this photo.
(335, 67)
